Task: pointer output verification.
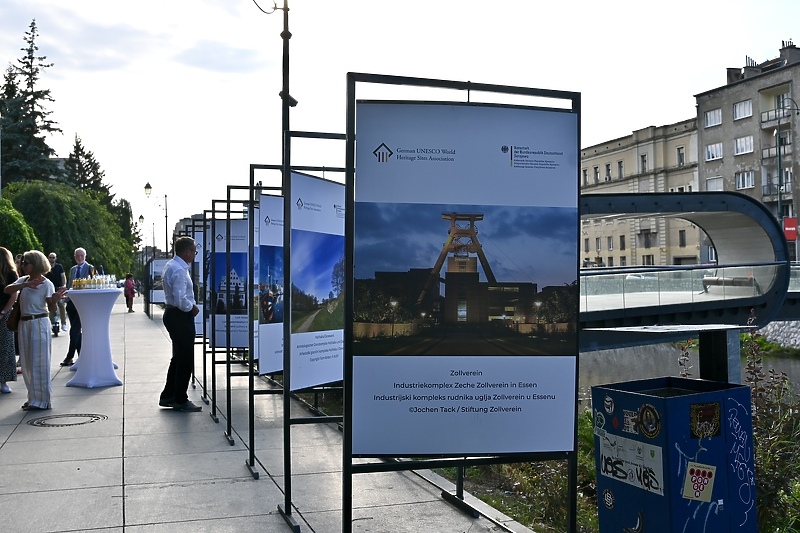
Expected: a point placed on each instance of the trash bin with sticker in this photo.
(674, 455)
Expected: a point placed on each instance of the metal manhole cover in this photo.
(60, 421)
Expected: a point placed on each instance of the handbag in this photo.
(13, 317)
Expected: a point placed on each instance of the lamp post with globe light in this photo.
(147, 190)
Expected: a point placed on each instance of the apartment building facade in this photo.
(747, 130)
(650, 160)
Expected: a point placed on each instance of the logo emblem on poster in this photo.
(299, 203)
(504, 149)
(382, 153)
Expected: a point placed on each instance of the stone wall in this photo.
(785, 333)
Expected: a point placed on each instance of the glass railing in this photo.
(604, 289)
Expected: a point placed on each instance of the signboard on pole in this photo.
(466, 279)
(790, 228)
(317, 276)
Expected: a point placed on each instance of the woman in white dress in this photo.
(37, 296)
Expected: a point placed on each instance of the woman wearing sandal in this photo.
(36, 296)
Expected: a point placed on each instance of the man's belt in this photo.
(32, 317)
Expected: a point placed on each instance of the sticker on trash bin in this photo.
(699, 482)
(705, 420)
(608, 499)
(632, 462)
(630, 421)
(608, 404)
(649, 421)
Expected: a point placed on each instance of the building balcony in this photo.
(772, 151)
(769, 119)
(771, 189)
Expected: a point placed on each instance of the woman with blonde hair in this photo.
(8, 351)
(37, 297)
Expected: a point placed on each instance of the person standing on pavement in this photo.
(37, 296)
(179, 321)
(130, 291)
(80, 270)
(58, 278)
(8, 352)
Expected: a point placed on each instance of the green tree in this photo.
(84, 172)
(24, 119)
(65, 218)
(18, 236)
(337, 277)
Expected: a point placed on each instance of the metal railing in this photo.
(607, 289)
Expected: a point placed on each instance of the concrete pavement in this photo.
(110, 460)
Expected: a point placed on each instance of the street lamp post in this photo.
(778, 148)
(538, 307)
(147, 190)
(394, 306)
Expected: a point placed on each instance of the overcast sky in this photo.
(184, 93)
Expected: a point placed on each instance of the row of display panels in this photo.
(475, 380)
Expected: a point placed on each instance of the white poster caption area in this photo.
(473, 405)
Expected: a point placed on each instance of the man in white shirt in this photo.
(179, 321)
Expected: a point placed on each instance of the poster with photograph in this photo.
(198, 279)
(270, 284)
(227, 292)
(156, 285)
(466, 219)
(317, 275)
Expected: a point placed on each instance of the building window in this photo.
(620, 169)
(681, 156)
(746, 179)
(647, 238)
(712, 254)
(742, 109)
(597, 174)
(610, 243)
(586, 176)
(713, 151)
(714, 184)
(597, 244)
(682, 238)
(743, 145)
(643, 163)
(608, 171)
(622, 242)
(610, 261)
(713, 118)
(586, 245)
(648, 260)
(623, 261)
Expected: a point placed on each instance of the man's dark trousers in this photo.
(180, 326)
(74, 330)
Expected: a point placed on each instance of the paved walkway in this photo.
(110, 460)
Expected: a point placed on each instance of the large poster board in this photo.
(466, 279)
(156, 284)
(236, 299)
(270, 284)
(317, 274)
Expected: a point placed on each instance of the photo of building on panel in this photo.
(465, 280)
(229, 298)
(317, 281)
